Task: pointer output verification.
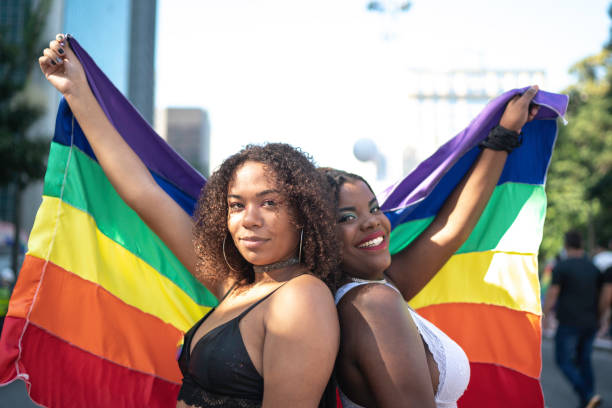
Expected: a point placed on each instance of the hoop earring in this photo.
(225, 257)
(300, 253)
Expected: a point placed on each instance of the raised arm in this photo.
(412, 268)
(300, 344)
(124, 169)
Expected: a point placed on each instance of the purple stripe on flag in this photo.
(157, 155)
(418, 184)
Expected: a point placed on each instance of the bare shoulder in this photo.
(304, 290)
(304, 301)
(372, 300)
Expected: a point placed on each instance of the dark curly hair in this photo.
(305, 190)
(336, 178)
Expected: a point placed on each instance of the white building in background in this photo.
(442, 103)
(187, 130)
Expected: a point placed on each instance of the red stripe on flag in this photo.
(88, 316)
(499, 387)
(58, 370)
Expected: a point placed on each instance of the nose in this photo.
(371, 221)
(252, 217)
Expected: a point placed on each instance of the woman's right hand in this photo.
(62, 68)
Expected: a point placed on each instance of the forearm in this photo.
(463, 208)
(412, 268)
(605, 300)
(417, 264)
(124, 169)
(132, 180)
(551, 298)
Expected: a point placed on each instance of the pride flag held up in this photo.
(101, 304)
(487, 296)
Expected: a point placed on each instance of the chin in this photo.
(365, 269)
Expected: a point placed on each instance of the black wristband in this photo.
(500, 138)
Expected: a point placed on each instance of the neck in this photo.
(350, 277)
(574, 252)
(275, 265)
(277, 271)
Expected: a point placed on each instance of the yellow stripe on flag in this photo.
(494, 278)
(81, 248)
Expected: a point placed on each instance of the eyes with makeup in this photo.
(349, 214)
(236, 205)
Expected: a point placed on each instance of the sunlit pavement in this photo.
(14, 396)
(558, 392)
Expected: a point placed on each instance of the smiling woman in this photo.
(389, 355)
(368, 251)
(262, 243)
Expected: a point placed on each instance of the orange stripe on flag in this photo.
(491, 334)
(89, 317)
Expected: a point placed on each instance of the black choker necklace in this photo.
(276, 265)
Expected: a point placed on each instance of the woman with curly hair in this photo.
(389, 355)
(264, 241)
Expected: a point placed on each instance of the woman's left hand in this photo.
(520, 111)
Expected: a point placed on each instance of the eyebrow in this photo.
(260, 194)
(372, 201)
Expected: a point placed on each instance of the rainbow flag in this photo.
(101, 304)
(487, 296)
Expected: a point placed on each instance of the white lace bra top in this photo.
(453, 365)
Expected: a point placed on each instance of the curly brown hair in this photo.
(305, 190)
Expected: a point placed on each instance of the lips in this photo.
(373, 242)
(253, 242)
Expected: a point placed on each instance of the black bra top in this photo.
(219, 369)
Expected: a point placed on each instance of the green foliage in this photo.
(22, 158)
(579, 185)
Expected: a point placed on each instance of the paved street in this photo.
(14, 396)
(557, 391)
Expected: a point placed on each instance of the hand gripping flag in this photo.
(487, 296)
(101, 304)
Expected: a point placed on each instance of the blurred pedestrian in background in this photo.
(603, 261)
(605, 303)
(575, 291)
(603, 256)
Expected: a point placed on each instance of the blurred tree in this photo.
(578, 186)
(22, 156)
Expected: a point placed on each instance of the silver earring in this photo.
(225, 257)
(300, 253)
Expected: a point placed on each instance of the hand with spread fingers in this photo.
(61, 67)
(520, 110)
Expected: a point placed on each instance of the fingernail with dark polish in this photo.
(53, 62)
(61, 51)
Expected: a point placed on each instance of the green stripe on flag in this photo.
(513, 221)
(88, 189)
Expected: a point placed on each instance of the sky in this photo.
(321, 75)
